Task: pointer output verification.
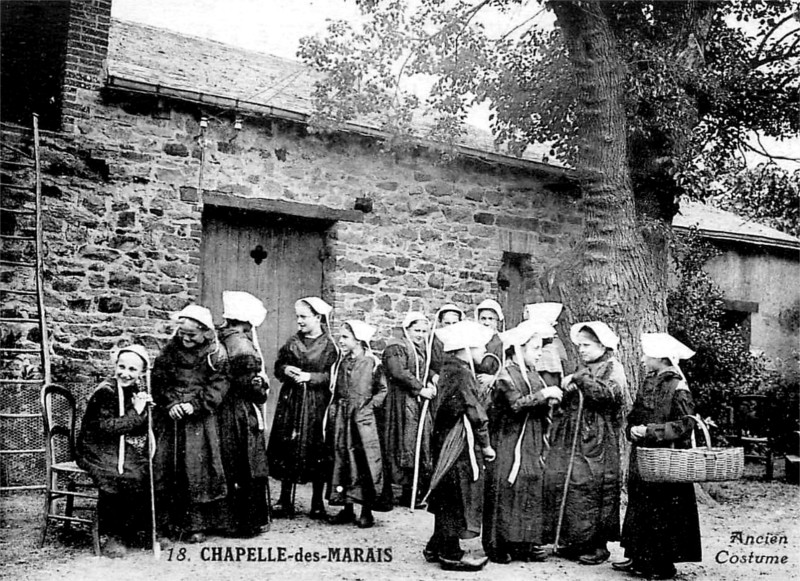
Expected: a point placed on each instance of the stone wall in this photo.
(123, 206)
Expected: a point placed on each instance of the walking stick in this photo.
(151, 449)
(569, 470)
(299, 439)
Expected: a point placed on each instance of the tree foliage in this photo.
(722, 366)
(700, 78)
(767, 194)
(643, 99)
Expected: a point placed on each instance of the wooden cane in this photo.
(569, 470)
(151, 448)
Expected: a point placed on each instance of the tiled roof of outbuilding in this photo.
(152, 59)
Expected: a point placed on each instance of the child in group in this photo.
(241, 417)
(296, 446)
(591, 513)
(512, 516)
(352, 429)
(112, 448)
(404, 362)
(460, 445)
(661, 525)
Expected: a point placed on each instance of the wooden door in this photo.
(511, 282)
(274, 257)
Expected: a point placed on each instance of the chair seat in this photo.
(68, 467)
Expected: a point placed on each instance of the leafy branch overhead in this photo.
(700, 78)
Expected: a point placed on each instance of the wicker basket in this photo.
(690, 465)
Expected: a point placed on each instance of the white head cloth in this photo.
(242, 306)
(464, 335)
(604, 334)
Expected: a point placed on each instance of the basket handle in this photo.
(703, 427)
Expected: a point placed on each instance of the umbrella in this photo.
(460, 435)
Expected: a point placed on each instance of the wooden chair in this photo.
(752, 430)
(65, 479)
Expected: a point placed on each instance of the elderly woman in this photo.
(296, 445)
(241, 417)
(189, 382)
(405, 362)
(513, 519)
(112, 448)
(359, 390)
(661, 525)
(591, 515)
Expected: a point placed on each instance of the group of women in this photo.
(476, 421)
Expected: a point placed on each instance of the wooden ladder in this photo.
(19, 413)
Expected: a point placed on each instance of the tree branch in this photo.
(763, 151)
(770, 33)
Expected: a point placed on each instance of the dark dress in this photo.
(402, 409)
(188, 469)
(661, 524)
(353, 437)
(296, 444)
(512, 515)
(457, 501)
(124, 499)
(591, 516)
(242, 437)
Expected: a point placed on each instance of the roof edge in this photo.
(743, 238)
(120, 83)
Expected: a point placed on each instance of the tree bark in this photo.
(617, 273)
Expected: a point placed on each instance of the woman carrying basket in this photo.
(661, 525)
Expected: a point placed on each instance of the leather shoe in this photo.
(499, 557)
(627, 566)
(281, 510)
(466, 563)
(365, 522)
(430, 556)
(318, 513)
(343, 517)
(595, 558)
(536, 555)
(199, 537)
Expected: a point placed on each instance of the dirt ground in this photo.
(751, 506)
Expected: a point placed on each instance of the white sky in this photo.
(276, 26)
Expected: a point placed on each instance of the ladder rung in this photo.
(16, 187)
(15, 263)
(18, 211)
(20, 416)
(10, 237)
(17, 320)
(17, 163)
(29, 487)
(72, 518)
(16, 149)
(36, 451)
(22, 381)
(18, 350)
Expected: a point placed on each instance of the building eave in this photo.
(120, 83)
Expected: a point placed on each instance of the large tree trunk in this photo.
(617, 274)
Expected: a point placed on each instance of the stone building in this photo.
(757, 270)
(177, 167)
